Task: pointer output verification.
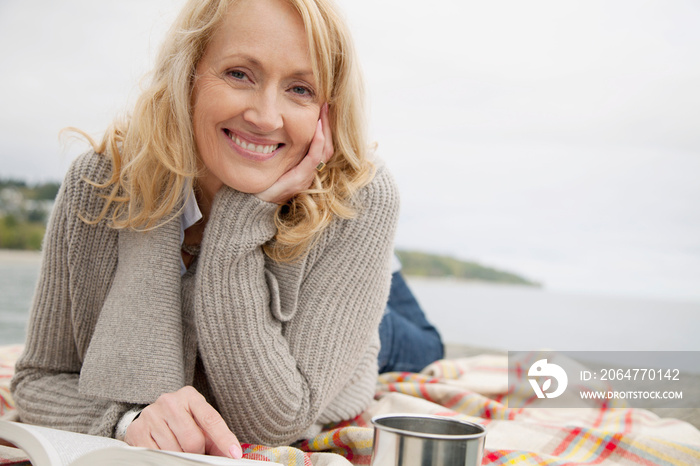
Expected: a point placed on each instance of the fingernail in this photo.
(236, 452)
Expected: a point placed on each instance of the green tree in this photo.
(15, 234)
(45, 191)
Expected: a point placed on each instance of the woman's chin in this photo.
(250, 186)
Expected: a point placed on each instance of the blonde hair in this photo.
(153, 151)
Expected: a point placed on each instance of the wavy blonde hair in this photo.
(153, 151)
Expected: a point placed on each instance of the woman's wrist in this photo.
(243, 217)
(124, 423)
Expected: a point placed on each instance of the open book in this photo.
(52, 447)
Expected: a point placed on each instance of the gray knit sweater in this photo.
(276, 348)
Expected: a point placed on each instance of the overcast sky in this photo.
(556, 139)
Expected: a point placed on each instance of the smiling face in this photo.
(255, 99)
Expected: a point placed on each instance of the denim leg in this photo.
(409, 342)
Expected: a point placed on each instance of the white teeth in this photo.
(267, 149)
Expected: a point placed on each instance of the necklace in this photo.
(191, 249)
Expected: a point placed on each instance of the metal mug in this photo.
(426, 440)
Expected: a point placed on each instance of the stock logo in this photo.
(543, 369)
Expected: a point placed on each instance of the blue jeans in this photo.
(409, 341)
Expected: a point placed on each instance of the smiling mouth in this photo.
(250, 147)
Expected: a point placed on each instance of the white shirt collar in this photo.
(190, 215)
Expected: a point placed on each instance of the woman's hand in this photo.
(302, 175)
(183, 421)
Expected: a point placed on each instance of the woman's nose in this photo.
(264, 111)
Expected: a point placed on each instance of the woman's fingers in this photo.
(165, 439)
(328, 135)
(138, 435)
(306, 169)
(302, 175)
(220, 440)
(321, 148)
(183, 421)
(189, 436)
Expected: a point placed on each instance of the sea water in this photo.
(516, 318)
(471, 313)
(18, 275)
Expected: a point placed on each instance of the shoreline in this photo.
(22, 256)
(14, 256)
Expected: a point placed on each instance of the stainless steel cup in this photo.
(425, 440)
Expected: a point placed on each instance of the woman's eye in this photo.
(302, 91)
(237, 74)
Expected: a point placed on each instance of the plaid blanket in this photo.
(476, 389)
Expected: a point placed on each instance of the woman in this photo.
(215, 271)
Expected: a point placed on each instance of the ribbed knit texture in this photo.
(281, 346)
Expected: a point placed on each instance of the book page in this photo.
(218, 460)
(62, 447)
(52, 447)
(142, 456)
(32, 446)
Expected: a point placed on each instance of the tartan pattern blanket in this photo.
(476, 389)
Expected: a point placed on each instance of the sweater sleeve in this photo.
(274, 363)
(45, 385)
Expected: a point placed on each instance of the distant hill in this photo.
(422, 264)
